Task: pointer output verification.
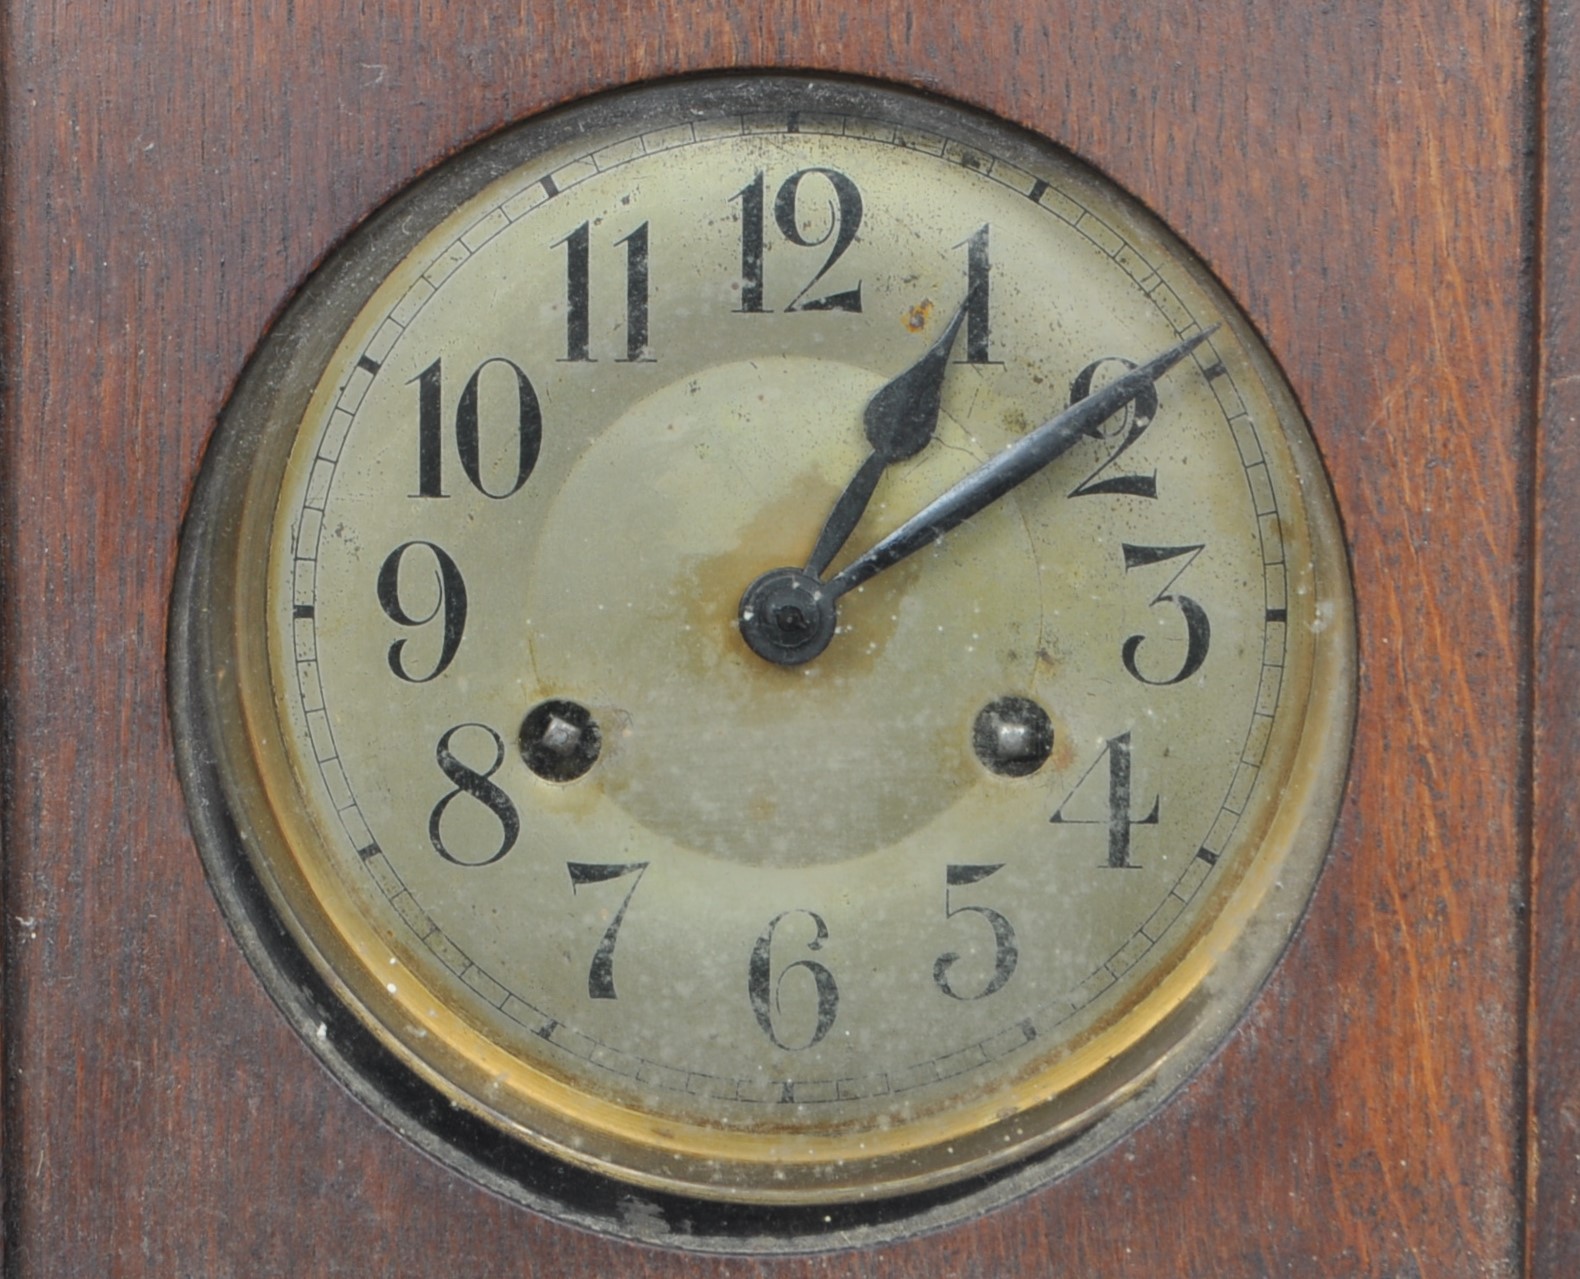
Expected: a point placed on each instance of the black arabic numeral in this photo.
(475, 785)
(977, 296)
(528, 423)
(844, 222)
(1198, 630)
(1006, 954)
(430, 432)
(636, 273)
(765, 991)
(450, 601)
(751, 198)
(578, 289)
(529, 428)
(600, 973)
(1117, 816)
(1130, 425)
(578, 307)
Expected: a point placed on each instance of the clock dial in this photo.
(604, 757)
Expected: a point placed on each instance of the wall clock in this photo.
(1390, 1098)
(519, 658)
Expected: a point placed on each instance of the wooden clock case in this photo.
(1388, 192)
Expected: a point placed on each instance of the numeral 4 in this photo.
(1117, 817)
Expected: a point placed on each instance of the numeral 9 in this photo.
(451, 602)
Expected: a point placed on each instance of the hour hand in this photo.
(899, 419)
(1015, 465)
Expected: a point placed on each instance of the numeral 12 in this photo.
(844, 222)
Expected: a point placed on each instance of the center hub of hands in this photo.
(787, 616)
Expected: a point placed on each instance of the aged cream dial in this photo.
(536, 640)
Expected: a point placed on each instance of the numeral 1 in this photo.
(578, 276)
(751, 198)
(977, 268)
(636, 294)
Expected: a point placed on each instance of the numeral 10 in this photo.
(430, 428)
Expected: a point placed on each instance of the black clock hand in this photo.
(1012, 467)
(900, 419)
(788, 615)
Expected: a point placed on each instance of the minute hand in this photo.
(1016, 464)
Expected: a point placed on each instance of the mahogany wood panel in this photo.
(1358, 174)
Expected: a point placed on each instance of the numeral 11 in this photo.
(578, 288)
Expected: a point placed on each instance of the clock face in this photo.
(607, 757)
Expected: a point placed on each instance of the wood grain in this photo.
(1355, 174)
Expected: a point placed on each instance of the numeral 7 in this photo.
(600, 973)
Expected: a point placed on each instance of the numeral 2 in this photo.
(1132, 422)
